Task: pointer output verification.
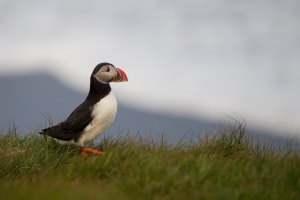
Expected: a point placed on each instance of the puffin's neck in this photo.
(98, 90)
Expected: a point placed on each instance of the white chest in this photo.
(103, 114)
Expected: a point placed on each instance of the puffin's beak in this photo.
(120, 76)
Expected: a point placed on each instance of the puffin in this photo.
(92, 117)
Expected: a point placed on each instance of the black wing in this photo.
(73, 126)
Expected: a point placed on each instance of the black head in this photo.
(106, 73)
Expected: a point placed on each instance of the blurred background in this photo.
(191, 64)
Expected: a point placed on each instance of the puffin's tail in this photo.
(56, 132)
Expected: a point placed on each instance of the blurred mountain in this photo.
(28, 100)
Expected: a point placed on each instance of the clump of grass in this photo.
(227, 164)
(30, 154)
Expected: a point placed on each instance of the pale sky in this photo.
(194, 58)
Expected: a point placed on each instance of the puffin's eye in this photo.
(107, 70)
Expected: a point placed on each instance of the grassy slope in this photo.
(228, 166)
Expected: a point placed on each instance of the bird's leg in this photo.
(83, 153)
(90, 150)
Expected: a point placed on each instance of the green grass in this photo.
(226, 165)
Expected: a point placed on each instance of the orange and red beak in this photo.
(120, 76)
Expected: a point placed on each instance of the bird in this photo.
(94, 115)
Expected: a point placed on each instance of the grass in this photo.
(228, 164)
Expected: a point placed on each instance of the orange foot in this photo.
(90, 150)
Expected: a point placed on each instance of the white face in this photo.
(106, 74)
